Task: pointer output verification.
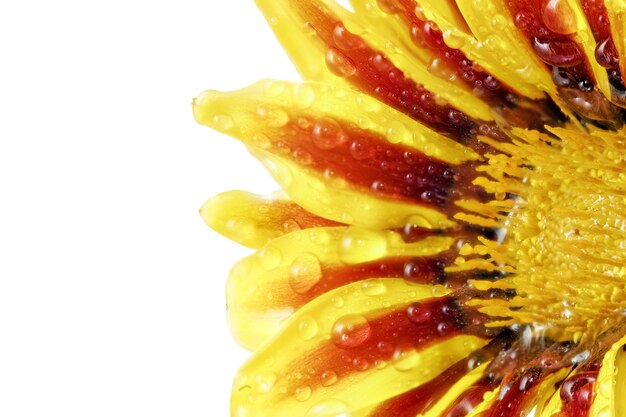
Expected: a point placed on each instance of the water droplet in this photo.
(558, 53)
(328, 134)
(339, 63)
(419, 313)
(439, 68)
(269, 258)
(346, 40)
(454, 39)
(361, 245)
(498, 22)
(337, 301)
(304, 95)
(389, 6)
(405, 358)
(274, 117)
(222, 122)
(329, 378)
(329, 408)
(274, 88)
(374, 287)
(241, 228)
(559, 17)
(261, 141)
(606, 54)
(303, 393)
(265, 382)
(304, 273)
(351, 331)
(307, 328)
(361, 151)
(523, 19)
(432, 35)
(398, 132)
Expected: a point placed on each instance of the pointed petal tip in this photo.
(208, 111)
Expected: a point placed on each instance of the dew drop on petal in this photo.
(274, 117)
(307, 328)
(558, 53)
(339, 64)
(337, 301)
(329, 408)
(329, 378)
(346, 40)
(351, 331)
(559, 17)
(360, 245)
(373, 287)
(304, 273)
(405, 358)
(606, 54)
(269, 258)
(304, 95)
(419, 313)
(265, 382)
(222, 122)
(302, 393)
(328, 134)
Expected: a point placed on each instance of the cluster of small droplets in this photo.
(449, 63)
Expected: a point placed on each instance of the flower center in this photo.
(564, 252)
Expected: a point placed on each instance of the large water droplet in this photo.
(405, 358)
(351, 331)
(304, 273)
(419, 313)
(558, 53)
(304, 95)
(302, 393)
(361, 245)
(274, 117)
(329, 408)
(339, 63)
(374, 287)
(328, 134)
(222, 122)
(269, 258)
(329, 378)
(559, 17)
(265, 382)
(346, 40)
(606, 54)
(307, 328)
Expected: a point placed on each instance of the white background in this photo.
(111, 287)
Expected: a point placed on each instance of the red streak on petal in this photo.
(425, 33)
(372, 72)
(288, 216)
(373, 164)
(577, 391)
(555, 49)
(514, 394)
(423, 398)
(386, 338)
(606, 53)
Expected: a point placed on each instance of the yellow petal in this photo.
(253, 220)
(334, 199)
(490, 43)
(321, 363)
(267, 287)
(610, 387)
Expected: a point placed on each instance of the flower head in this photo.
(450, 236)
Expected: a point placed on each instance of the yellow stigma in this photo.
(564, 252)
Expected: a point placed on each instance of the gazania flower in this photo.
(451, 236)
